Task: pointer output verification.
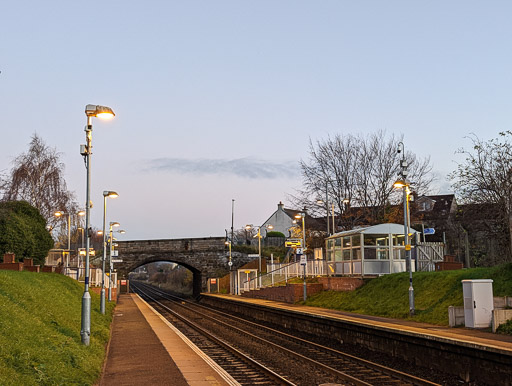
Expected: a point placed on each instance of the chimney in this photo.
(280, 206)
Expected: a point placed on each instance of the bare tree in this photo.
(358, 170)
(37, 177)
(485, 177)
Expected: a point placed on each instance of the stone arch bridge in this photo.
(206, 257)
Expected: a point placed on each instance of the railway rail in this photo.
(297, 360)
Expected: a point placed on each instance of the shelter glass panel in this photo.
(346, 254)
(347, 242)
(338, 255)
(376, 240)
(356, 240)
(370, 253)
(398, 239)
(338, 242)
(398, 253)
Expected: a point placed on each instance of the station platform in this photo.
(145, 349)
(459, 335)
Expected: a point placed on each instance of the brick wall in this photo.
(340, 283)
(97, 290)
(12, 266)
(291, 293)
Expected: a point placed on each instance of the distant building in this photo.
(283, 220)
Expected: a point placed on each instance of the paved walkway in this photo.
(144, 349)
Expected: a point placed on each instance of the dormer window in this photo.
(425, 205)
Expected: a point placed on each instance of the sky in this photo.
(219, 100)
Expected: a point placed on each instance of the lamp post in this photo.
(106, 194)
(111, 240)
(68, 221)
(303, 216)
(258, 235)
(61, 213)
(404, 184)
(230, 264)
(86, 151)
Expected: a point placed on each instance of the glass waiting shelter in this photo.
(373, 250)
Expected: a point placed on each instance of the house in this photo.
(435, 212)
(285, 221)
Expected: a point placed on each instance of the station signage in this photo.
(290, 243)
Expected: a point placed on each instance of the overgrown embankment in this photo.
(40, 343)
(434, 292)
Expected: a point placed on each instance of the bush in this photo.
(505, 328)
(275, 234)
(23, 231)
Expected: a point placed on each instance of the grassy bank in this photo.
(40, 318)
(388, 295)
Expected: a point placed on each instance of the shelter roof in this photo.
(375, 229)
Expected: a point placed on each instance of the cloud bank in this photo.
(251, 168)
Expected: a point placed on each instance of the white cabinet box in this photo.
(478, 303)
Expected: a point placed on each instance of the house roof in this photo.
(442, 205)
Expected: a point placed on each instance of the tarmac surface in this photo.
(144, 349)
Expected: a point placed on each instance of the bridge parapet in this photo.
(205, 244)
(206, 257)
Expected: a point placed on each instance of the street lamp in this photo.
(403, 183)
(258, 235)
(230, 264)
(106, 194)
(111, 224)
(59, 214)
(303, 216)
(86, 151)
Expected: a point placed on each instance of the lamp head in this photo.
(319, 201)
(114, 224)
(248, 227)
(81, 213)
(99, 111)
(110, 194)
(269, 226)
(59, 213)
(400, 183)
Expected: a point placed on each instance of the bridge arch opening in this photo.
(169, 275)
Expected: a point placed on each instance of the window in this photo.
(376, 240)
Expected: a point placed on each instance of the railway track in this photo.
(299, 361)
(244, 369)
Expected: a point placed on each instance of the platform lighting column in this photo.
(230, 264)
(68, 223)
(111, 241)
(86, 151)
(106, 194)
(258, 235)
(404, 184)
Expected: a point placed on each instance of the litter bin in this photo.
(478, 303)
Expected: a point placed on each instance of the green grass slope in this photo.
(388, 295)
(40, 343)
